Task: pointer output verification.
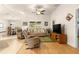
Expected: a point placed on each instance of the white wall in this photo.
(18, 20)
(31, 17)
(59, 15)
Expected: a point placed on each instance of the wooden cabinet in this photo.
(61, 38)
(53, 35)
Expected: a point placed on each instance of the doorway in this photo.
(77, 26)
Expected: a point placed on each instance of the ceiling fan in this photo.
(39, 10)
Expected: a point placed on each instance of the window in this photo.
(1, 25)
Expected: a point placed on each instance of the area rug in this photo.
(47, 39)
(9, 46)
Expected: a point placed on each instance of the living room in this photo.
(39, 18)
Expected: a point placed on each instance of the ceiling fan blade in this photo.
(43, 11)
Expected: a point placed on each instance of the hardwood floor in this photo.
(49, 48)
(19, 47)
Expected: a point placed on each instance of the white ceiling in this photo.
(21, 10)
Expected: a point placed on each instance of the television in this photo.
(57, 28)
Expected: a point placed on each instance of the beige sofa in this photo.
(37, 31)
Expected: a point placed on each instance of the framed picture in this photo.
(69, 16)
(25, 23)
(32, 23)
(46, 23)
(53, 22)
(38, 22)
